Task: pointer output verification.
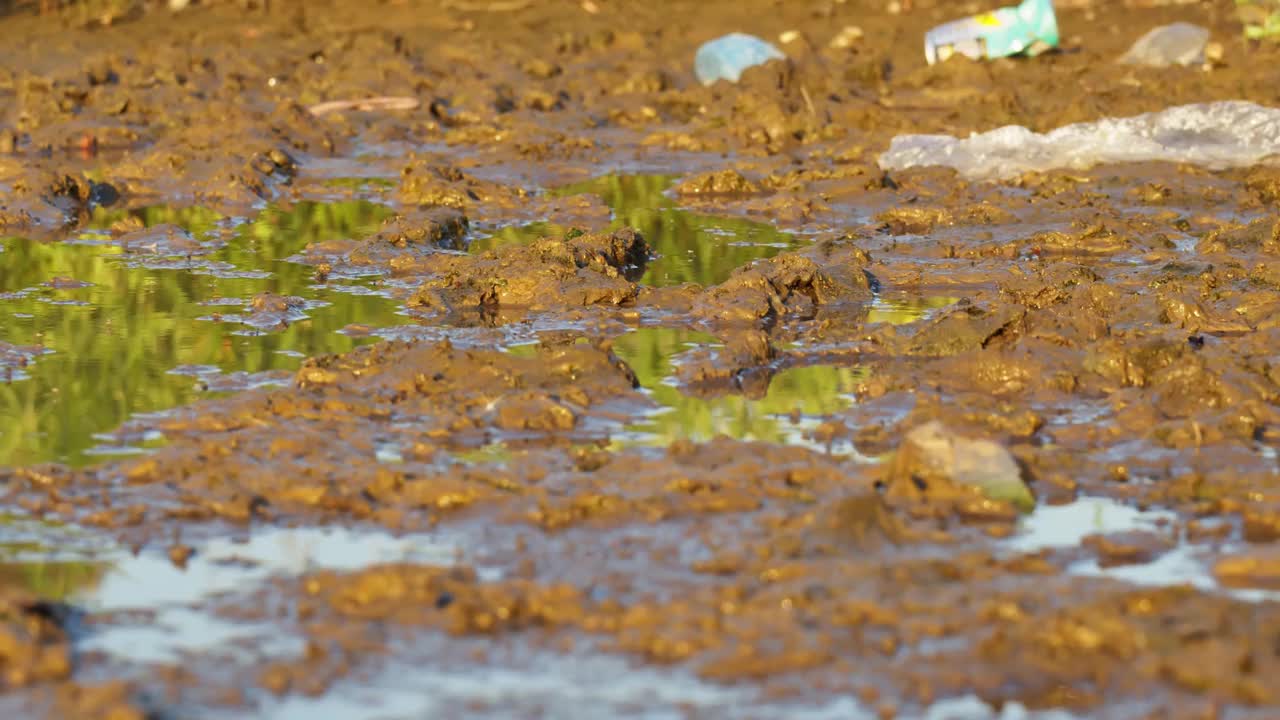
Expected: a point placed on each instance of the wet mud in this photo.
(573, 388)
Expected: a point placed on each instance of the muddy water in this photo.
(653, 446)
(125, 332)
(688, 247)
(796, 401)
(1177, 562)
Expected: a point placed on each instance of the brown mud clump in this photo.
(35, 645)
(579, 269)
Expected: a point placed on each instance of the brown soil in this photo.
(1148, 295)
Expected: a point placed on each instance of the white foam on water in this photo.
(1216, 135)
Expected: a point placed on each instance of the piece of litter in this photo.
(1177, 44)
(1215, 135)
(1030, 29)
(726, 57)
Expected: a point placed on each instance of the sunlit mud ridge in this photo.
(475, 360)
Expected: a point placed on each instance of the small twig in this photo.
(808, 101)
(366, 104)
(491, 6)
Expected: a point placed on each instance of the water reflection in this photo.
(116, 328)
(51, 580)
(196, 220)
(1052, 527)
(180, 619)
(51, 560)
(690, 247)
(796, 401)
(179, 603)
(1059, 526)
(904, 309)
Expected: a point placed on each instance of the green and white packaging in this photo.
(1029, 29)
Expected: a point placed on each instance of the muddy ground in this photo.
(496, 529)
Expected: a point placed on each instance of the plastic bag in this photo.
(1216, 135)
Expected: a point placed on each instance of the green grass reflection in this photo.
(112, 352)
(30, 562)
(692, 248)
(812, 392)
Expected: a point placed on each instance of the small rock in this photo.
(935, 461)
(1177, 44)
(103, 194)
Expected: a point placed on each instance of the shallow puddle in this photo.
(582, 686)
(124, 331)
(585, 686)
(1052, 527)
(52, 560)
(1059, 526)
(689, 248)
(798, 399)
(146, 609)
(904, 309)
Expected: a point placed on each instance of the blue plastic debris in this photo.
(726, 57)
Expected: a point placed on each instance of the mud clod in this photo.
(587, 269)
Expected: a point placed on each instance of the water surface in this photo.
(689, 247)
(115, 324)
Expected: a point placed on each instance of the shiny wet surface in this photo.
(688, 247)
(133, 332)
